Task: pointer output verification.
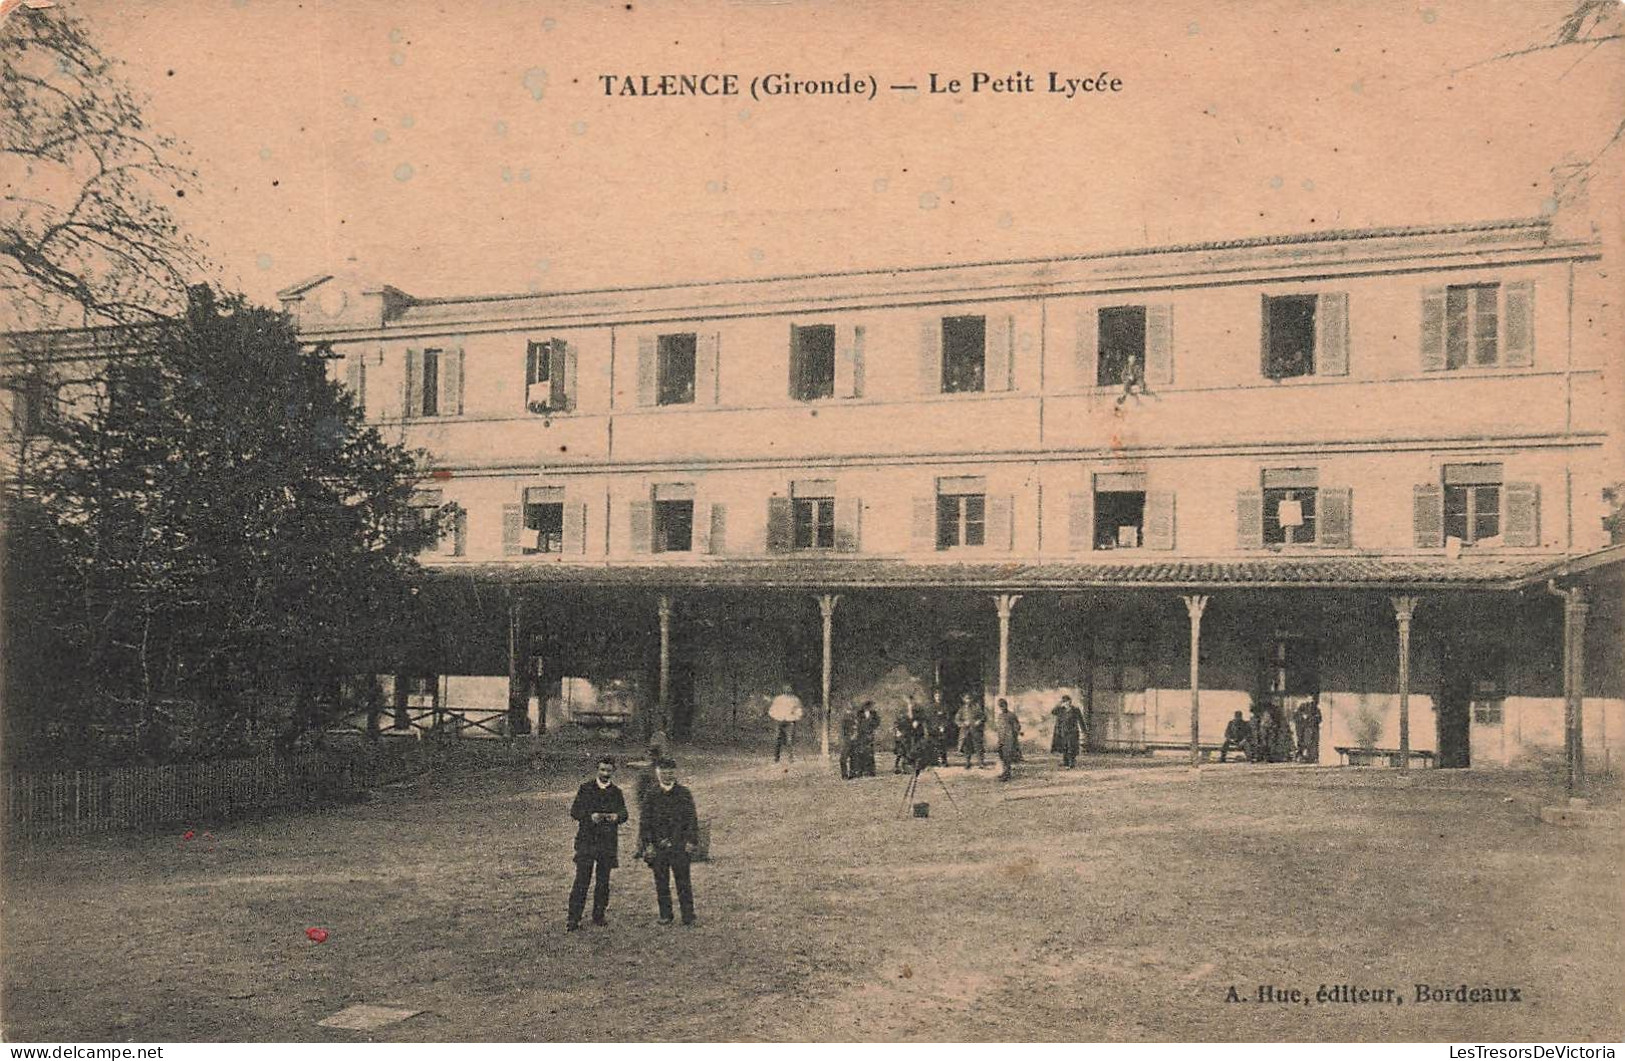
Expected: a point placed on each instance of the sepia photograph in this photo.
(803, 521)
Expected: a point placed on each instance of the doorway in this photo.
(959, 671)
(1472, 688)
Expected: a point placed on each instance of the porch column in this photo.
(518, 686)
(664, 605)
(826, 607)
(1575, 610)
(1006, 603)
(1404, 609)
(1195, 605)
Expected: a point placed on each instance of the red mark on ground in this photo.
(440, 474)
(187, 835)
(316, 935)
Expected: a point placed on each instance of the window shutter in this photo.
(1249, 519)
(1427, 515)
(779, 530)
(1086, 348)
(793, 390)
(1433, 329)
(411, 386)
(1001, 339)
(931, 356)
(1332, 334)
(1159, 345)
(459, 542)
(718, 539)
(923, 526)
(451, 389)
(1264, 337)
(1001, 522)
(1080, 523)
(849, 361)
(533, 354)
(699, 528)
(1159, 519)
(575, 527)
(707, 374)
(848, 512)
(355, 378)
(1520, 524)
(1518, 318)
(641, 523)
(513, 525)
(1335, 513)
(557, 395)
(648, 367)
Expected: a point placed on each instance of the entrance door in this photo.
(1115, 694)
(959, 671)
(1469, 678)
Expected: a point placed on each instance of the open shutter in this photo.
(572, 374)
(1427, 515)
(641, 525)
(1335, 513)
(459, 541)
(849, 361)
(1249, 519)
(779, 529)
(1080, 521)
(1001, 338)
(1159, 345)
(575, 527)
(412, 385)
(1433, 329)
(848, 512)
(557, 395)
(513, 526)
(648, 368)
(931, 356)
(1520, 525)
(1159, 519)
(451, 382)
(1264, 337)
(1001, 522)
(922, 530)
(717, 540)
(700, 528)
(1086, 348)
(1332, 334)
(707, 377)
(355, 378)
(1518, 318)
(794, 389)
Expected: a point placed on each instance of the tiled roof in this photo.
(833, 573)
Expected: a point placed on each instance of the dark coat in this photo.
(1009, 729)
(1068, 724)
(668, 822)
(598, 842)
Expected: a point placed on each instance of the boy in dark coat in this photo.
(599, 809)
(863, 747)
(668, 833)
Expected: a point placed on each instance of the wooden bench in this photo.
(1385, 756)
(1208, 751)
(599, 719)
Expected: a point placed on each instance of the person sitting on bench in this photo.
(1238, 734)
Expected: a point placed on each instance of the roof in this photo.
(1306, 572)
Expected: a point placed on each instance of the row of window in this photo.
(1130, 346)
(1470, 504)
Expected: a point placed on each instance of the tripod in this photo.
(914, 785)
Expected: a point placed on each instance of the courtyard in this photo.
(1119, 901)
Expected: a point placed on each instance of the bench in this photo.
(600, 719)
(1208, 751)
(1381, 756)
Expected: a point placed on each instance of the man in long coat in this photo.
(1009, 730)
(668, 834)
(599, 809)
(863, 744)
(1068, 729)
(972, 729)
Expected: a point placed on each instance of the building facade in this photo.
(1174, 483)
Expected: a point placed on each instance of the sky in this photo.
(469, 147)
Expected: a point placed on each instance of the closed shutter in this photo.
(1249, 519)
(718, 539)
(707, 368)
(1086, 348)
(575, 527)
(930, 355)
(922, 529)
(640, 517)
(1159, 519)
(648, 368)
(1000, 343)
(1001, 522)
(451, 390)
(355, 378)
(848, 513)
(849, 361)
(1159, 345)
(459, 541)
(1080, 521)
(1335, 513)
(1518, 318)
(1433, 329)
(513, 525)
(1332, 334)
(1427, 515)
(557, 395)
(412, 385)
(1520, 525)
(780, 516)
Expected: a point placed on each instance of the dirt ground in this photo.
(1119, 901)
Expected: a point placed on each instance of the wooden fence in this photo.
(70, 802)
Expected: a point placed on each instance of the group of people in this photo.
(1271, 737)
(668, 836)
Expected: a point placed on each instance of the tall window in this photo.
(1121, 346)
(813, 514)
(541, 390)
(544, 520)
(1472, 324)
(1289, 506)
(964, 354)
(675, 371)
(812, 362)
(673, 526)
(1289, 329)
(1119, 510)
(1472, 501)
(430, 383)
(961, 513)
